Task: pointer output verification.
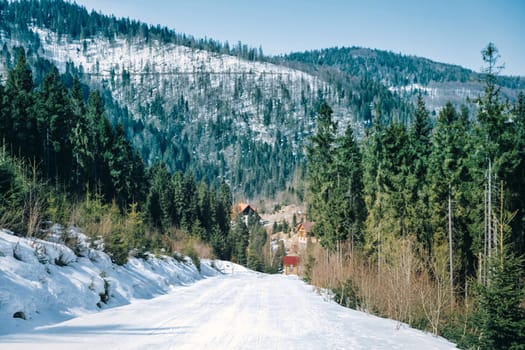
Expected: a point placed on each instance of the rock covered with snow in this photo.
(46, 281)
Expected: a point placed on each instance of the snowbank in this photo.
(46, 282)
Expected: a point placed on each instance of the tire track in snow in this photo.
(240, 311)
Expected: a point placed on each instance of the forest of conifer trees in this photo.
(438, 204)
(62, 162)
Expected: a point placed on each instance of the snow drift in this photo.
(44, 282)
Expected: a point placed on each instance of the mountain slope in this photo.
(407, 75)
(192, 104)
(224, 112)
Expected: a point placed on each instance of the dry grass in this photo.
(401, 288)
(181, 242)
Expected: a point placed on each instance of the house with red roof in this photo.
(291, 265)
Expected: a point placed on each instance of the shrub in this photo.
(191, 253)
(347, 294)
(12, 194)
(116, 247)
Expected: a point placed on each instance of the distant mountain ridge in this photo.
(223, 112)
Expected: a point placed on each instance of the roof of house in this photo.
(306, 226)
(241, 207)
(291, 260)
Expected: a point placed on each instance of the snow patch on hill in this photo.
(46, 282)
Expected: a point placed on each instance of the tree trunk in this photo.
(450, 247)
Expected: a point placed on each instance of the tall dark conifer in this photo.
(320, 174)
(348, 198)
(417, 181)
(21, 126)
(55, 123)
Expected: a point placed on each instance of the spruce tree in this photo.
(348, 202)
(320, 176)
(238, 240)
(501, 318)
(82, 140)
(21, 127)
(516, 180)
(55, 123)
(417, 181)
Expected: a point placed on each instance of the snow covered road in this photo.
(241, 311)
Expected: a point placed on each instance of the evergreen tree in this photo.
(451, 183)
(516, 178)
(5, 119)
(21, 127)
(257, 240)
(498, 155)
(320, 173)
(347, 203)
(121, 169)
(100, 140)
(82, 140)
(204, 206)
(501, 318)
(418, 159)
(222, 209)
(160, 204)
(238, 240)
(55, 122)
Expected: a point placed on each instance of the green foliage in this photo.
(238, 241)
(257, 241)
(117, 247)
(428, 184)
(347, 294)
(12, 192)
(83, 154)
(309, 265)
(501, 318)
(335, 188)
(282, 226)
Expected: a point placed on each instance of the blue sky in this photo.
(450, 31)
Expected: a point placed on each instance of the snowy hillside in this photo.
(47, 282)
(137, 72)
(210, 112)
(238, 309)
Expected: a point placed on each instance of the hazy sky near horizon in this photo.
(450, 31)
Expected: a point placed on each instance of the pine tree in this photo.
(160, 201)
(99, 143)
(320, 177)
(348, 202)
(121, 168)
(516, 179)
(222, 208)
(417, 181)
(498, 154)
(21, 126)
(204, 208)
(238, 240)
(450, 184)
(373, 179)
(501, 318)
(82, 140)
(54, 118)
(5, 119)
